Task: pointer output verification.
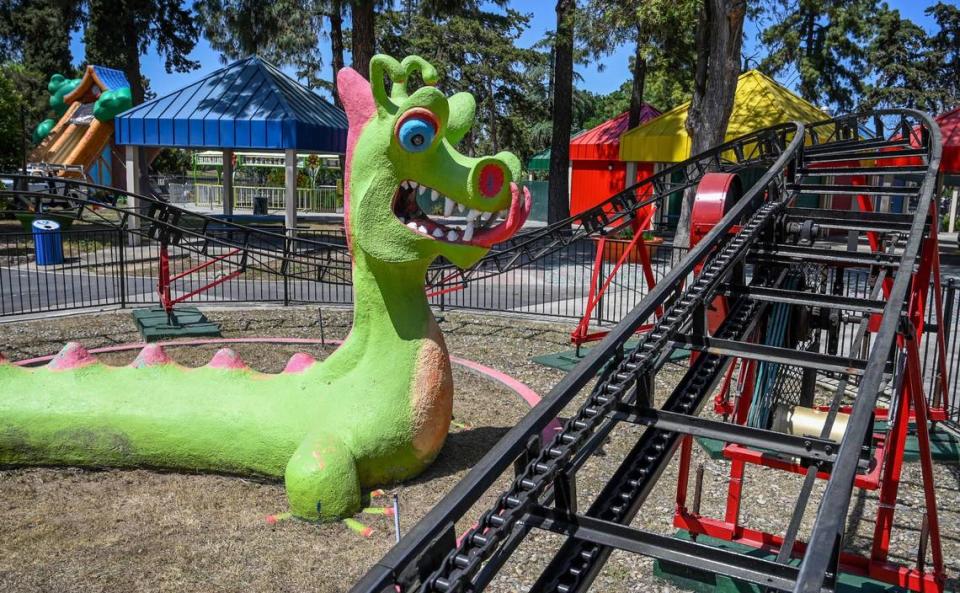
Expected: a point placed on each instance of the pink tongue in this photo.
(519, 211)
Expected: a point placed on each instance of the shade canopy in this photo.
(249, 104)
(759, 103)
(602, 142)
(950, 130)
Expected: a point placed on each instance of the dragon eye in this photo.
(416, 133)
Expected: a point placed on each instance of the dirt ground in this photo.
(131, 531)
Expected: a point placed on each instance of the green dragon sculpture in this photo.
(379, 408)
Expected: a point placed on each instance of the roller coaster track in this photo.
(328, 261)
(753, 256)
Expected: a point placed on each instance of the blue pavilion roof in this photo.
(249, 104)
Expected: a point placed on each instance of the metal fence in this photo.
(100, 269)
(319, 199)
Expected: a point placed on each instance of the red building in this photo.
(596, 170)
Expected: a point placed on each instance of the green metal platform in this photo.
(155, 325)
(700, 581)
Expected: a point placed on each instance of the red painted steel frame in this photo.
(165, 280)
(581, 334)
(912, 405)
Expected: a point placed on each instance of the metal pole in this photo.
(122, 245)
(396, 516)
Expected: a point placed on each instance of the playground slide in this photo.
(77, 143)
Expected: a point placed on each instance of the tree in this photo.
(12, 133)
(944, 54)
(362, 31)
(903, 73)
(335, 14)
(661, 32)
(719, 38)
(285, 32)
(823, 43)
(172, 161)
(558, 204)
(36, 33)
(118, 33)
(35, 44)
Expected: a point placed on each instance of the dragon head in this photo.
(401, 146)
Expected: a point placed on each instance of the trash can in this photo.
(47, 242)
(260, 204)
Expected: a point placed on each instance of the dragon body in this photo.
(378, 409)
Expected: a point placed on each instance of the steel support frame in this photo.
(888, 455)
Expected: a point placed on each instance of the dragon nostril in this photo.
(491, 180)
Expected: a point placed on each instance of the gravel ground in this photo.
(75, 530)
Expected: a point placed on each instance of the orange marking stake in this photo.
(274, 519)
(358, 527)
(387, 511)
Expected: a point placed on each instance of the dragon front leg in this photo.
(322, 480)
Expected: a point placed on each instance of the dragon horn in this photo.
(72, 356)
(299, 362)
(226, 358)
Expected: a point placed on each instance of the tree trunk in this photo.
(719, 37)
(639, 80)
(362, 35)
(336, 45)
(131, 59)
(558, 204)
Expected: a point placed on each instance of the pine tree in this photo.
(903, 72)
(945, 54)
(661, 32)
(823, 44)
(118, 32)
(284, 32)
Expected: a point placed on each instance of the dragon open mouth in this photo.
(480, 228)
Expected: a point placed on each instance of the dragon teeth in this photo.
(434, 195)
(437, 233)
(422, 229)
(473, 214)
(448, 206)
(452, 236)
(412, 225)
(468, 232)
(405, 184)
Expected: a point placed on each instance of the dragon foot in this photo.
(322, 480)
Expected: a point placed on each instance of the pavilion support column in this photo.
(631, 174)
(953, 210)
(290, 197)
(132, 165)
(227, 195)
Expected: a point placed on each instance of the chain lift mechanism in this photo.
(789, 369)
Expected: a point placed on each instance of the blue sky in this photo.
(614, 72)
